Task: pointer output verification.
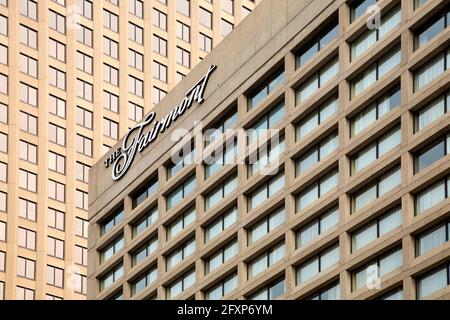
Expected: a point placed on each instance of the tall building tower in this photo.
(74, 75)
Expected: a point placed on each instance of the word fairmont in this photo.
(137, 140)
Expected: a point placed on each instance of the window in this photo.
(158, 95)
(2, 231)
(24, 293)
(110, 48)
(81, 227)
(56, 219)
(159, 19)
(375, 111)
(57, 50)
(111, 276)
(135, 112)
(26, 239)
(4, 113)
(3, 25)
(432, 195)
(376, 189)
(322, 261)
(419, 3)
(111, 74)
(266, 225)
(28, 94)
(220, 224)
(136, 7)
(323, 38)
(159, 71)
(81, 255)
(110, 101)
(221, 256)
(433, 281)
(317, 227)
(26, 268)
(432, 28)
(431, 70)
(260, 130)
(4, 86)
(365, 41)
(182, 252)
(28, 123)
(433, 237)
(111, 249)
(84, 145)
(181, 223)
(84, 35)
(185, 188)
(183, 57)
(135, 33)
(245, 12)
(56, 134)
(110, 129)
(322, 77)
(84, 62)
(135, 60)
(144, 251)
(223, 155)
(332, 292)
(2, 261)
(57, 21)
(27, 180)
(317, 153)
(375, 72)
(265, 191)
(376, 228)
(135, 86)
(4, 143)
(3, 172)
(317, 117)
(179, 76)
(381, 266)
(396, 294)
(223, 288)
(55, 247)
(80, 283)
(270, 85)
(159, 45)
(28, 36)
(433, 152)
(82, 172)
(359, 7)
(183, 31)
(431, 112)
(225, 27)
(317, 190)
(266, 260)
(181, 284)
(205, 18)
(85, 8)
(204, 42)
(52, 297)
(110, 20)
(183, 7)
(146, 221)
(146, 191)
(84, 90)
(84, 118)
(81, 200)
(27, 209)
(29, 9)
(270, 292)
(376, 149)
(56, 191)
(221, 191)
(55, 276)
(28, 65)
(57, 106)
(3, 204)
(3, 54)
(57, 78)
(227, 6)
(144, 280)
(111, 221)
(186, 156)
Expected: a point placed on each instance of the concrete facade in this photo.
(272, 37)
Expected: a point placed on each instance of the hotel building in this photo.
(356, 204)
(74, 75)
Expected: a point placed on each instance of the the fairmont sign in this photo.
(142, 134)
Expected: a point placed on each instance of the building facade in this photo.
(345, 197)
(74, 75)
